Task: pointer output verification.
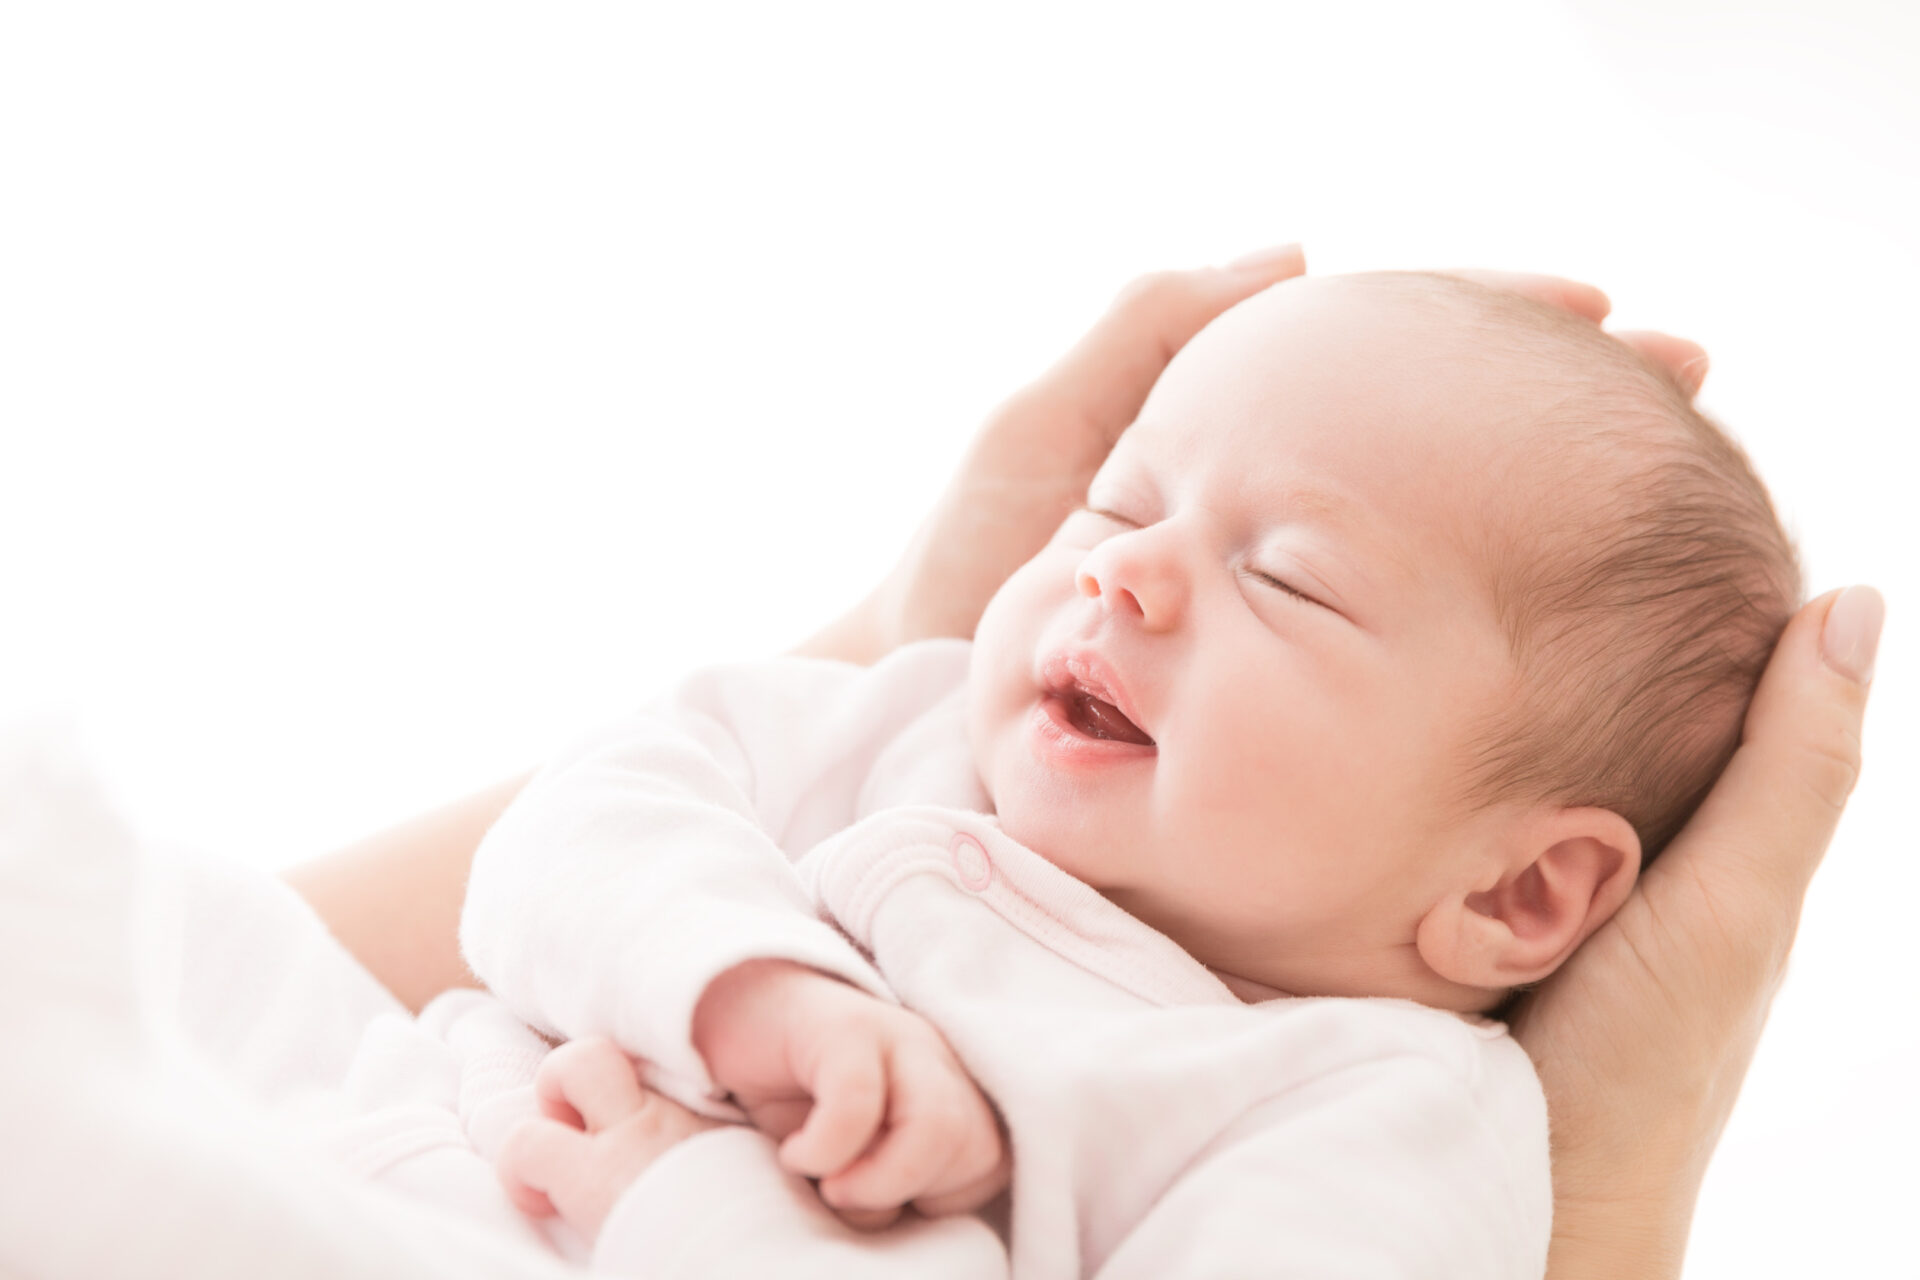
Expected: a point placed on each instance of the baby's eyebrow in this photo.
(1307, 503)
(1310, 502)
(1150, 469)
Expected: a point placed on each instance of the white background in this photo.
(389, 390)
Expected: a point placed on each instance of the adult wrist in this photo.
(1641, 1235)
(859, 636)
(1628, 1211)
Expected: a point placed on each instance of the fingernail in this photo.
(1262, 259)
(1852, 634)
(1692, 374)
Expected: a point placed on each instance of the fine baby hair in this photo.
(1641, 586)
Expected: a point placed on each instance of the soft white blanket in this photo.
(196, 1080)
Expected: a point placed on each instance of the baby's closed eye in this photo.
(1281, 585)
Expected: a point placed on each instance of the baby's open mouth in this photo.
(1098, 718)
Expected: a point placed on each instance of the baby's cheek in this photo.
(980, 730)
(1000, 695)
(1043, 824)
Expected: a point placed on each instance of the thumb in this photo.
(1775, 808)
(1109, 372)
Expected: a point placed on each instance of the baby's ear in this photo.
(1566, 871)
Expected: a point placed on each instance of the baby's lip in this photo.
(1084, 671)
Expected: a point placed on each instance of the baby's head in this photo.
(1404, 624)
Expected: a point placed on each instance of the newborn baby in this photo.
(1406, 622)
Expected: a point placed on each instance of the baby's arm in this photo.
(717, 1205)
(648, 860)
(867, 1097)
(637, 880)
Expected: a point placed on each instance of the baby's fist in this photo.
(868, 1096)
(600, 1132)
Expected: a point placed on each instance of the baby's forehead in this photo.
(1407, 358)
(1429, 405)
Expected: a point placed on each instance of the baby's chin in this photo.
(1048, 830)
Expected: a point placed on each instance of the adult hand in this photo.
(1642, 1039)
(1683, 361)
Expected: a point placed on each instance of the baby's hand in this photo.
(866, 1095)
(602, 1129)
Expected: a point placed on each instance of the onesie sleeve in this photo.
(720, 1205)
(1396, 1168)
(648, 859)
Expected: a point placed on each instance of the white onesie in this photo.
(1161, 1128)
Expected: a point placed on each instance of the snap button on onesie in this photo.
(971, 861)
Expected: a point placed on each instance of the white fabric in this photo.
(197, 1081)
(1161, 1128)
(662, 1232)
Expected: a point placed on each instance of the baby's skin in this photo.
(1278, 574)
(601, 1131)
(866, 1096)
(1239, 692)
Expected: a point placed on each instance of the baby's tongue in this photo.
(1099, 719)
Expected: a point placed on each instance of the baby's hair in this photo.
(1641, 588)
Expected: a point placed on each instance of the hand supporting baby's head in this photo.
(1403, 620)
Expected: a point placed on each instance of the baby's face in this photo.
(1234, 693)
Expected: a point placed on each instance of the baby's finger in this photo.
(528, 1201)
(968, 1198)
(588, 1084)
(868, 1219)
(780, 1117)
(907, 1160)
(849, 1103)
(929, 1128)
(533, 1159)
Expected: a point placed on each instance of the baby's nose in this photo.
(1117, 597)
(1134, 580)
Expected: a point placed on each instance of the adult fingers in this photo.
(1714, 918)
(588, 1084)
(1648, 1029)
(1105, 378)
(849, 1103)
(1555, 291)
(1775, 808)
(1682, 361)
